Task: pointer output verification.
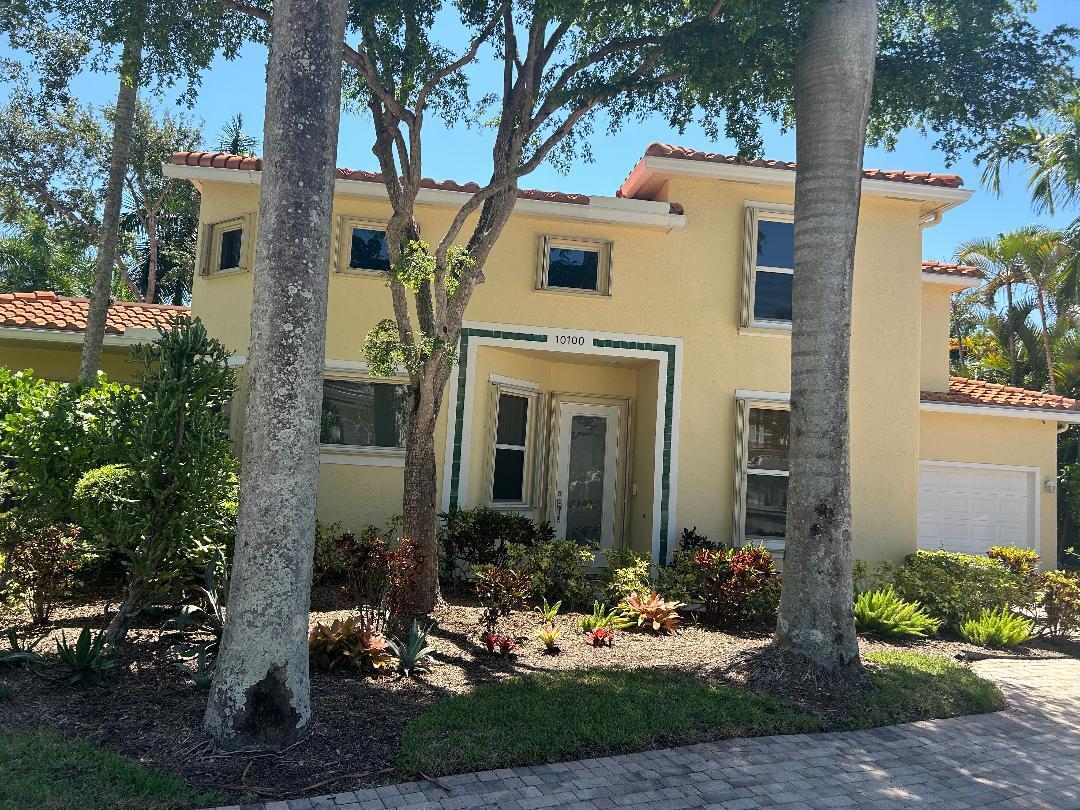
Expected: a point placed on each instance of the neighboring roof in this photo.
(657, 149)
(47, 310)
(963, 391)
(224, 160)
(948, 269)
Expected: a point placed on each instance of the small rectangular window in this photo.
(509, 482)
(367, 250)
(363, 414)
(575, 265)
(770, 263)
(766, 474)
(227, 245)
(229, 255)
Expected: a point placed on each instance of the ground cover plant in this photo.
(884, 613)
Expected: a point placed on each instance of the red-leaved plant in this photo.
(600, 637)
(494, 641)
(741, 586)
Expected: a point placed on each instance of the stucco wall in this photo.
(934, 351)
(1000, 440)
(60, 361)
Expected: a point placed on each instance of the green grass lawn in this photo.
(41, 770)
(557, 716)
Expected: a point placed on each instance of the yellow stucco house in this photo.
(624, 371)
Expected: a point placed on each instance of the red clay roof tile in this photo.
(949, 269)
(963, 391)
(47, 310)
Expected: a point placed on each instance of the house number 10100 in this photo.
(570, 340)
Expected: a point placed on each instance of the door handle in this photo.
(558, 507)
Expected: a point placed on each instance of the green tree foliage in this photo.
(35, 255)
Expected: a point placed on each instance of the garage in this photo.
(969, 507)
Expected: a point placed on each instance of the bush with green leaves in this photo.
(627, 572)
(883, 613)
(40, 563)
(1021, 561)
(953, 587)
(165, 504)
(559, 570)
(500, 591)
(997, 628)
(1060, 601)
(741, 586)
(475, 537)
(682, 578)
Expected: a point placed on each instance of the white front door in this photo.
(970, 507)
(587, 472)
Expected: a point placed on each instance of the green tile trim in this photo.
(459, 407)
(669, 400)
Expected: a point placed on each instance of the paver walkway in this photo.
(1025, 756)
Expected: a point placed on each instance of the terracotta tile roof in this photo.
(963, 391)
(46, 310)
(657, 149)
(223, 160)
(949, 269)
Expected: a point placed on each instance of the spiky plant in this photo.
(549, 612)
(603, 618)
(549, 637)
(348, 643)
(88, 660)
(413, 653)
(654, 612)
(997, 628)
(884, 613)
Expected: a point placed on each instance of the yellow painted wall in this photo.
(936, 301)
(60, 361)
(684, 283)
(1000, 440)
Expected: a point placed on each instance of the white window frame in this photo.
(210, 253)
(755, 213)
(745, 402)
(525, 390)
(371, 456)
(343, 245)
(604, 249)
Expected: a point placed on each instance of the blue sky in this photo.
(461, 154)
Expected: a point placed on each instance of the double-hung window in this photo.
(361, 246)
(511, 482)
(363, 416)
(770, 261)
(762, 472)
(575, 265)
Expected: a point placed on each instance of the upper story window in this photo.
(575, 265)
(227, 246)
(362, 246)
(762, 473)
(363, 414)
(770, 261)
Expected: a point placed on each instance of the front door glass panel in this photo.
(585, 481)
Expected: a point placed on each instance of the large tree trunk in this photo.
(833, 81)
(105, 263)
(260, 697)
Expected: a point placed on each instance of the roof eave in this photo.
(953, 282)
(1045, 414)
(129, 337)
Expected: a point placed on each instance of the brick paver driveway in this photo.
(1025, 756)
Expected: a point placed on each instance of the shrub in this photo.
(627, 572)
(600, 637)
(740, 586)
(497, 641)
(41, 562)
(348, 643)
(682, 578)
(997, 628)
(327, 562)
(693, 541)
(549, 637)
(404, 565)
(1061, 602)
(883, 613)
(866, 579)
(88, 660)
(413, 653)
(952, 587)
(559, 569)
(480, 536)
(654, 612)
(364, 565)
(1021, 561)
(500, 590)
(603, 618)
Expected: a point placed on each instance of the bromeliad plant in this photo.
(653, 612)
(883, 613)
(88, 660)
(603, 618)
(413, 653)
(549, 612)
(348, 643)
(549, 637)
(600, 637)
(497, 641)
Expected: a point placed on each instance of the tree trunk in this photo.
(260, 698)
(124, 117)
(151, 255)
(128, 610)
(1047, 351)
(833, 81)
(1014, 361)
(418, 509)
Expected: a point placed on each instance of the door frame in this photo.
(1034, 475)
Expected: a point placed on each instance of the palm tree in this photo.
(1049, 265)
(233, 139)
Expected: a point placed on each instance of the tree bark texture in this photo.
(105, 262)
(833, 82)
(260, 694)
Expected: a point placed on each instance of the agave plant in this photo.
(89, 659)
(201, 666)
(884, 613)
(208, 617)
(603, 618)
(653, 611)
(413, 653)
(348, 643)
(19, 654)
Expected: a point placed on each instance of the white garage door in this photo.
(968, 507)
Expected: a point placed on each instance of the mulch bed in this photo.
(150, 711)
